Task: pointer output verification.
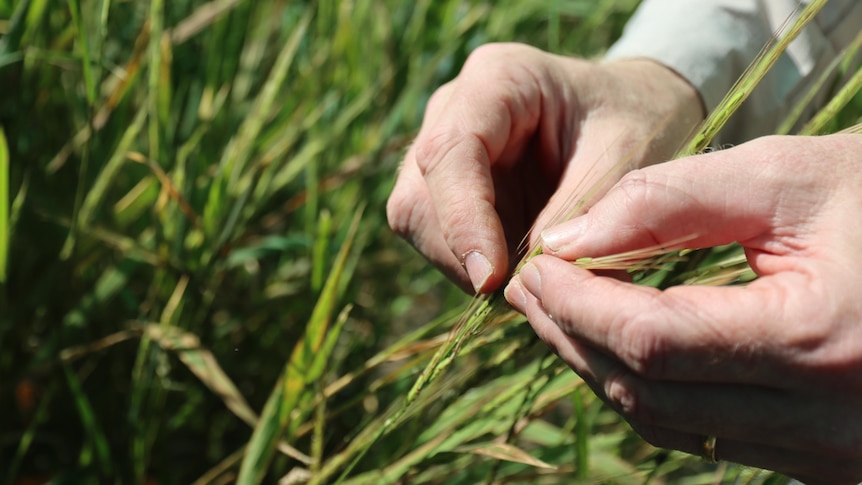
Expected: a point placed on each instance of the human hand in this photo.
(773, 369)
(506, 143)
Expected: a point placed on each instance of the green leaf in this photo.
(10, 42)
(5, 229)
(239, 151)
(95, 439)
(203, 364)
(103, 181)
(506, 452)
(829, 112)
(84, 47)
(298, 373)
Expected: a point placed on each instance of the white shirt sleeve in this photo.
(711, 42)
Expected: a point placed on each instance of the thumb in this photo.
(705, 200)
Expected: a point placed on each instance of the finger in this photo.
(767, 432)
(747, 414)
(744, 198)
(686, 333)
(479, 125)
(690, 408)
(412, 216)
(609, 148)
(592, 366)
(595, 166)
(628, 131)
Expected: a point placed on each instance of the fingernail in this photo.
(514, 294)
(531, 279)
(557, 238)
(479, 269)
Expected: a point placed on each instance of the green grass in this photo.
(200, 284)
(4, 205)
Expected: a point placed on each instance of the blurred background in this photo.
(194, 195)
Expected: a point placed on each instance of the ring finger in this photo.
(759, 416)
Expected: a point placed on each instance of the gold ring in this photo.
(709, 449)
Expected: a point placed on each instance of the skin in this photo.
(534, 127)
(774, 369)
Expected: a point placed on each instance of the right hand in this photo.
(773, 369)
(505, 145)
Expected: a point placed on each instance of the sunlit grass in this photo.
(201, 286)
(4, 205)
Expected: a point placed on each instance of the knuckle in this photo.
(438, 101)
(636, 188)
(495, 68)
(634, 180)
(819, 329)
(629, 398)
(431, 150)
(402, 209)
(641, 349)
(647, 201)
(459, 223)
(631, 196)
(395, 214)
(818, 334)
(440, 95)
(494, 52)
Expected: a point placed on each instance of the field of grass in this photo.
(198, 284)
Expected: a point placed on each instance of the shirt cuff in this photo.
(710, 43)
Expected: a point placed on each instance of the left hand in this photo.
(506, 143)
(773, 369)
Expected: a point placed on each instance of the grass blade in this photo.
(747, 82)
(816, 125)
(10, 42)
(852, 130)
(505, 452)
(299, 371)
(95, 440)
(203, 364)
(103, 181)
(84, 47)
(259, 450)
(156, 17)
(239, 151)
(38, 418)
(102, 36)
(790, 121)
(5, 228)
(582, 428)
